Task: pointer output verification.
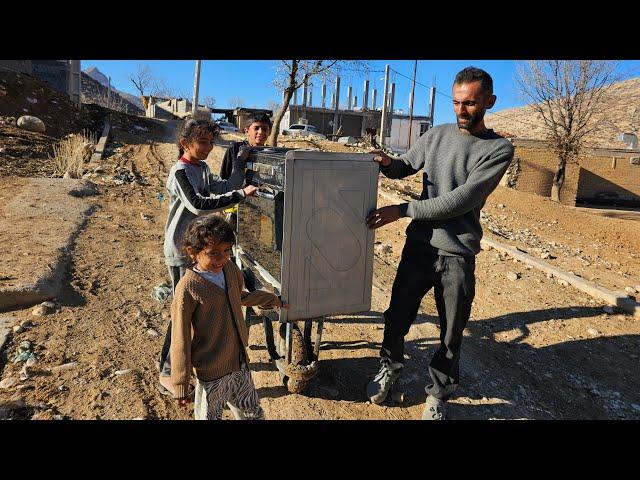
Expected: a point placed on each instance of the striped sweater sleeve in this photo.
(199, 204)
(235, 180)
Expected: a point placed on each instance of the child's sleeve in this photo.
(182, 309)
(258, 298)
(199, 204)
(235, 180)
(227, 162)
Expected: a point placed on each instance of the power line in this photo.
(522, 122)
(409, 78)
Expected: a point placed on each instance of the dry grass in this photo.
(71, 153)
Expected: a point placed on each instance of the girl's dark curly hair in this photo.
(206, 230)
(192, 129)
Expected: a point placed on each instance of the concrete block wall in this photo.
(612, 180)
(20, 66)
(595, 179)
(54, 72)
(537, 168)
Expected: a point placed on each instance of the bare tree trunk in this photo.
(273, 138)
(558, 180)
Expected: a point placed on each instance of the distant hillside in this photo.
(93, 91)
(101, 78)
(97, 75)
(131, 98)
(22, 94)
(622, 97)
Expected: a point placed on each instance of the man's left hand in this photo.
(382, 216)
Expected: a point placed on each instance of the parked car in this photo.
(303, 130)
(227, 126)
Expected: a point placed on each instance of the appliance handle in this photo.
(263, 194)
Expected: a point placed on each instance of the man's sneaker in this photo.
(434, 409)
(379, 387)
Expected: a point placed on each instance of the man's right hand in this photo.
(250, 191)
(382, 158)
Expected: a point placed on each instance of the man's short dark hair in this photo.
(473, 74)
(258, 117)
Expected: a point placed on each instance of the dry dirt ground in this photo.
(533, 349)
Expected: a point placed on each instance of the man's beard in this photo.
(472, 121)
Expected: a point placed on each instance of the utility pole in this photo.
(324, 93)
(432, 104)
(109, 92)
(383, 120)
(74, 82)
(337, 106)
(305, 92)
(413, 88)
(196, 88)
(365, 95)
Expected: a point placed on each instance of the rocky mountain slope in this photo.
(621, 114)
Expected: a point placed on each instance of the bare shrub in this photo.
(72, 152)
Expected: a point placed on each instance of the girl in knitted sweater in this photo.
(208, 333)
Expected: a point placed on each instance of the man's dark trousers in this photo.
(453, 280)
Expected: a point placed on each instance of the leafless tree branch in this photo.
(568, 95)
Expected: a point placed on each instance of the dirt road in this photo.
(533, 349)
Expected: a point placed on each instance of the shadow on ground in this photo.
(590, 378)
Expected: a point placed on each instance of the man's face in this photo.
(470, 103)
(257, 133)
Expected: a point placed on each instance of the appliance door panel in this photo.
(328, 249)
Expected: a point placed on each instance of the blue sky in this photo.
(252, 80)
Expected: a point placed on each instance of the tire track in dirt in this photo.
(109, 324)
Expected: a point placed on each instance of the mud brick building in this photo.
(603, 176)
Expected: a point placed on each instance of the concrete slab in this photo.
(102, 143)
(6, 325)
(347, 140)
(617, 299)
(39, 221)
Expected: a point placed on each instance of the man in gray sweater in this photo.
(461, 165)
